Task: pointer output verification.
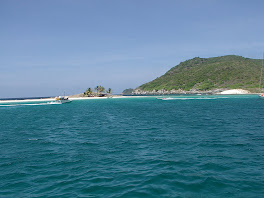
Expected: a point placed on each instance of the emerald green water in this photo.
(193, 146)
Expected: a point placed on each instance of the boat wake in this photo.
(33, 104)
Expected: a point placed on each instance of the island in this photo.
(207, 76)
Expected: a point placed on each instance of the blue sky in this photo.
(51, 46)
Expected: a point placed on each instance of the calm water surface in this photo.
(194, 146)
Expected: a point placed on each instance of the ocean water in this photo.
(191, 146)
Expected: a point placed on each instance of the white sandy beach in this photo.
(235, 91)
(76, 98)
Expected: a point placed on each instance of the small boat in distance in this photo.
(62, 99)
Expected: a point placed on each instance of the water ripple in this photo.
(134, 148)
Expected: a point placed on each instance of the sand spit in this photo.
(227, 92)
(77, 98)
(91, 98)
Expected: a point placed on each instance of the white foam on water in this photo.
(33, 104)
(189, 98)
(54, 103)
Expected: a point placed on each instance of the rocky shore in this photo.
(192, 91)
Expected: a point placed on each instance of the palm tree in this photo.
(109, 91)
(88, 91)
(101, 89)
(97, 89)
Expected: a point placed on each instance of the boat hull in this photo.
(63, 101)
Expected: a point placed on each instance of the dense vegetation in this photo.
(209, 73)
(99, 90)
(128, 91)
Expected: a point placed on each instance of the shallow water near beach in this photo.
(190, 146)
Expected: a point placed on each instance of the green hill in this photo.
(209, 73)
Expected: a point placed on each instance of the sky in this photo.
(48, 47)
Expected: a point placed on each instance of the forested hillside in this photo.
(209, 73)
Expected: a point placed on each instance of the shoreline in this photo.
(75, 98)
(114, 97)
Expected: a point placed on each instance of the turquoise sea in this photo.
(192, 146)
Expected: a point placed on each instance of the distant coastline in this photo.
(50, 99)
(210, 92)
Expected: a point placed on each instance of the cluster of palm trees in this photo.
(99, 90)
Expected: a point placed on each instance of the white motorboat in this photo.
(62, 99)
